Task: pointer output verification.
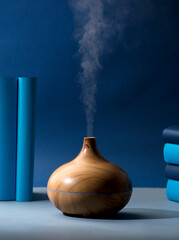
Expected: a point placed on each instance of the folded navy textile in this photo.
(172, 171)
(171, 134)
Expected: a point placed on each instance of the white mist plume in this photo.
(93, 32)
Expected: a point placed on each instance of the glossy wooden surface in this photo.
(89, 184)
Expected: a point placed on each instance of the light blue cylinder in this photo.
(25, 138)
(8, 116)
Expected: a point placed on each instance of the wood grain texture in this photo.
(89, 184)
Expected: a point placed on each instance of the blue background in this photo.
(138, 88)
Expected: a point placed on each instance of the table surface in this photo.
(148, 215)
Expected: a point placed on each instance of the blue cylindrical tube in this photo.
(25, 138)
(8, 116)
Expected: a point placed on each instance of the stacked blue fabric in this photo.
(171, 157)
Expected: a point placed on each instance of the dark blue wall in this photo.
(138, 90)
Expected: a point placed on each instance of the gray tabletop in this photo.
(148, 215)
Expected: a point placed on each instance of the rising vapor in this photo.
(94, 29)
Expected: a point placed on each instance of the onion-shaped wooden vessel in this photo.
(89, 185)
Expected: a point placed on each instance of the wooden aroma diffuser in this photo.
(89, 185)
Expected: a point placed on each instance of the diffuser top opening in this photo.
(89, 137)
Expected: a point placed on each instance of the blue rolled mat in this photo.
(8, 116)
(171, 153)
(172, 171)
(171, 134)
(25, 138)
(172, 190)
